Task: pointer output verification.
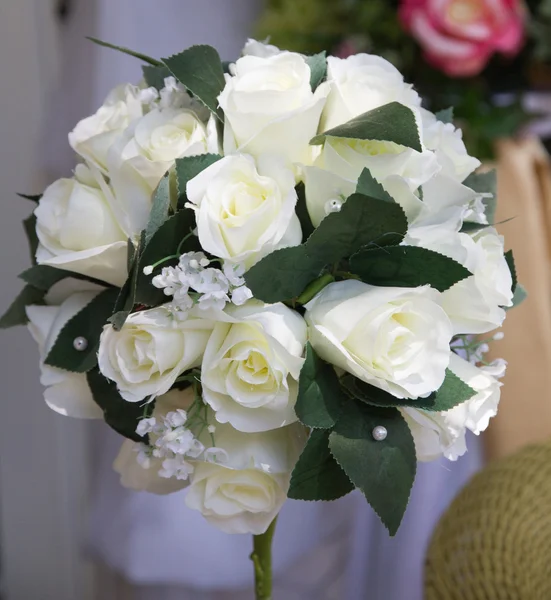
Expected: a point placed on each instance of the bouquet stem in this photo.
(262, 560)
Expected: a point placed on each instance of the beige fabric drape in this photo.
(524, 194)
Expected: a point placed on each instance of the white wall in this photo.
(41, 453)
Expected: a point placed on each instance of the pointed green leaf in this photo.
(407, 266)
(284, 274)
(369, 186)
(446, 115)
(519, 296)
(159, 209)
(511, 264)
(189, 167)
(452, 392)
(29, 224)
(383, 470)
(120, 415)
(317, 475)
(16, 315)
(302, 212)
(318, 68)
(138, 55)
(31, 197)
(392, 122)
(200, 70)
(43, 277)
(166, 242)
(155, 76)
(88, 323)
(319, 401)
(127, 295)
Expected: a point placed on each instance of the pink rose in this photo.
(460, 36)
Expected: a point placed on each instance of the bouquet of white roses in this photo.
(267, 275)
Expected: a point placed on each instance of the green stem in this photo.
(314, 288)
(262, 561)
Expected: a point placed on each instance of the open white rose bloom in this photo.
(270, 277)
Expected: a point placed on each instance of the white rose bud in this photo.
(245, 210)
(147, 150)
(270, 107)
(77, 228)
(252, 364)
(397, 339)
(443, 434)
(245, 494)
(361, 83)
(93, 137)
(475, 304)
(150, 351)
(67, 393)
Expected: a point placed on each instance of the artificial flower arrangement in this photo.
(479, 56)
(267, 276)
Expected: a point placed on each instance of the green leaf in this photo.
(87, 323)
(452, 392)
(407, 266)
(120, 415)
(511, 264)
(318, 68)
(485, 183)
(127, 294)
(189, 167)
(155, 76)
(317, 475)
(519, 295)
(130, 255)
(166, 242)
(200, 70)
(319, 401)
(138, 55)
(159, 209)
(392, 122)
(369, 186)
(302, 212)
(446, 115)
(16, 315)
(43, 277)
(383, 470)
(32, 197)
(29, 224)
(284, 274)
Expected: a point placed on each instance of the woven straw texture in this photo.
(494, 542)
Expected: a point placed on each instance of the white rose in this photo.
(397, 339)
(146, 151)
(245, 210)
(269, 106)
(336, 170)
(245, 494)
(150, 351)
(447, 142)
(67, 393)
(436, 434)
(361, 83)
(78, 230)
(93, 136)
(252, 364)
(475, 304)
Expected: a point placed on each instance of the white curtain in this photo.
(165, 551)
